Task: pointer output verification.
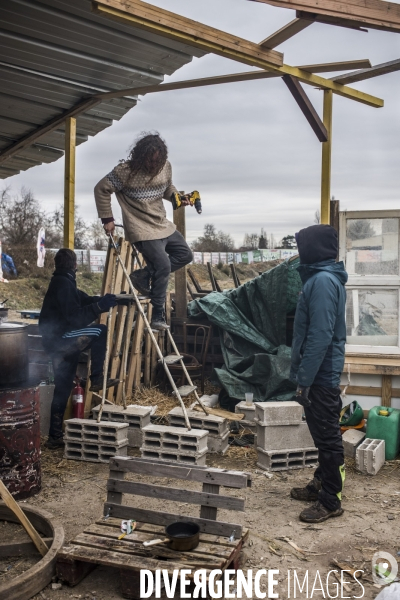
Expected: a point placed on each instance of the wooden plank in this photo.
(386, 390)
(363, 74)
(211, 499)
(140, 466)
(114, 495)
(180, 275)
(164, 518)
(192, 32)
(376, 359)
(174, 26)
(334, 208)
(344, 65)
(363, 390)
(21, 548)
(147, 350)
(375, 14)
(373, 369)
(236, 280)
(69, 183)
(127, 335)
(326, 159)
(306, 107)
(23, 519)
(209, 511)
(115, 559)
(154, 360)
(196, 283)
(210, 544)
(285, 33)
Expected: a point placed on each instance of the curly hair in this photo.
(149, 154)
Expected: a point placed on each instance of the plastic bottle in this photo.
(384, 424)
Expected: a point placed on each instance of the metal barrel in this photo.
(14, 354)
(20, 441)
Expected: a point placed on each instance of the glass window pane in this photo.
(372, 246)
(372, 317)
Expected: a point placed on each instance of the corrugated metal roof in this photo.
(54, 54)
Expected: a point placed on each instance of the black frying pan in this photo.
(181, 535)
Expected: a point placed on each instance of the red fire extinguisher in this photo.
(78, 410)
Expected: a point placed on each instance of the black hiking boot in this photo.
(54, 443)
(97, 383)
(308, 493)
(318, 513)
(158, 320)
(141, 281)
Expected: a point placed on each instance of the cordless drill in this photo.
(193, 197)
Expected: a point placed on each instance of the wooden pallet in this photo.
(99, 543)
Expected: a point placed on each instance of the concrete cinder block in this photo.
(198, 420)
(218, 444)
(278, 413)
(175, 439)
(89, 431)
(352, 438)
(78, 450)
(248, 410)
(284, 437)
(285, 460)
(136, 417)
(370, 456)
(198, 459)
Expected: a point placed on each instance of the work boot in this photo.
(141, 281)
(97, 383)
(308, 493)
(158, 320)
(54, 443)
(318, 513)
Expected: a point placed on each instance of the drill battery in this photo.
(193, 197)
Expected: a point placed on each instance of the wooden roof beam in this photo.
(374, 14)
(285, 33)
(306, 107)
(171, 25)
(376, 71)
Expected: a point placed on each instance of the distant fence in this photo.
(96, 259)
(253, 256)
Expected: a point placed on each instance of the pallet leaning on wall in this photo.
(128, 347)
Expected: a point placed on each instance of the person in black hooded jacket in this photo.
(66, 325)
(318, 351)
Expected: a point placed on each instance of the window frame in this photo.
(364, 282)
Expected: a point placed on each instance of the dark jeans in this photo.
(164, 257)
(65, 361)
(323, 421)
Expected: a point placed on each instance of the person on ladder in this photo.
(318, 352)
(140, 183)
(67, 328)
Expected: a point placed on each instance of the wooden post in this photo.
(180, 276)
(326, 159)
(386, 390)
(69, 182)
(334, 218)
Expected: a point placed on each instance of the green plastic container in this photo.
(385, 427)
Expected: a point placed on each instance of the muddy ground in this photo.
(74, 493)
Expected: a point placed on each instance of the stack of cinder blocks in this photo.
(217, 427)
(95, 442)
(175, 444)
(370, 456)
(136, 418)
(283, 438)
(249, 412)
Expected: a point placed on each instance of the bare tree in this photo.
(213, 241)
(97, 236)
(20, 217)
(55, 230)
(250, 241)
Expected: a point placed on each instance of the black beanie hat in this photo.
(317, 243)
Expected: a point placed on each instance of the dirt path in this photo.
(75, 491)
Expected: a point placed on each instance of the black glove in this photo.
(107, 302)
(301, 396)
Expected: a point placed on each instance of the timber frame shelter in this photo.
(270, 63)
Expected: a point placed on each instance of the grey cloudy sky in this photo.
(246, 146)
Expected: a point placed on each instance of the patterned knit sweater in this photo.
(141, 201)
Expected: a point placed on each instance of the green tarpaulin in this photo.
(252, 323)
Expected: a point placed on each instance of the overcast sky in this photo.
(246, 146)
